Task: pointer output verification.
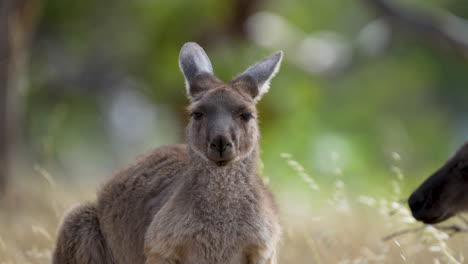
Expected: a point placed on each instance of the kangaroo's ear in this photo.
(256, 79)
(197, 69)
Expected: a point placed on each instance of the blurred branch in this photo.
(424, 26)
(402, 232)
(453, 229)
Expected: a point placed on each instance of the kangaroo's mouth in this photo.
(222, 163)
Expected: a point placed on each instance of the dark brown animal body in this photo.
(445, 193)
(196, 203)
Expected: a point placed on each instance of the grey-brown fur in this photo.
(196, 203)
(444, 193)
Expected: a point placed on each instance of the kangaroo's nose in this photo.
(416, 202)
(426, 212)
(220, 144)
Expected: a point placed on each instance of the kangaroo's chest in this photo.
(222, 231)
(215, 222)
(225, 212)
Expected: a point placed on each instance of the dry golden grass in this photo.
(346, 229)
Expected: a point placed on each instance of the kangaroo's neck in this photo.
(217, 191)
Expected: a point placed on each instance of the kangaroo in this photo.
(201, 202)
(444, 193)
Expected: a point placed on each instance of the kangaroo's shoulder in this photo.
(158, 164)
(158, 158)
(175, 151)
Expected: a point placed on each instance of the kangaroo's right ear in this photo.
(197, 69)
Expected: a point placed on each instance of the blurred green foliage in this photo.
(408, 98)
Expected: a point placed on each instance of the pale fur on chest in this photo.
(215, 215)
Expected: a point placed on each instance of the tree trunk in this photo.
(17, 19)
(5, 60)
(431, 29)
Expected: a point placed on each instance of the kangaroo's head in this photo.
(223, 118)
(445, 193)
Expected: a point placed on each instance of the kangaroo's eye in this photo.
(196, 115)
(246, 116)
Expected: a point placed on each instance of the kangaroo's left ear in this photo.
(256, 79)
